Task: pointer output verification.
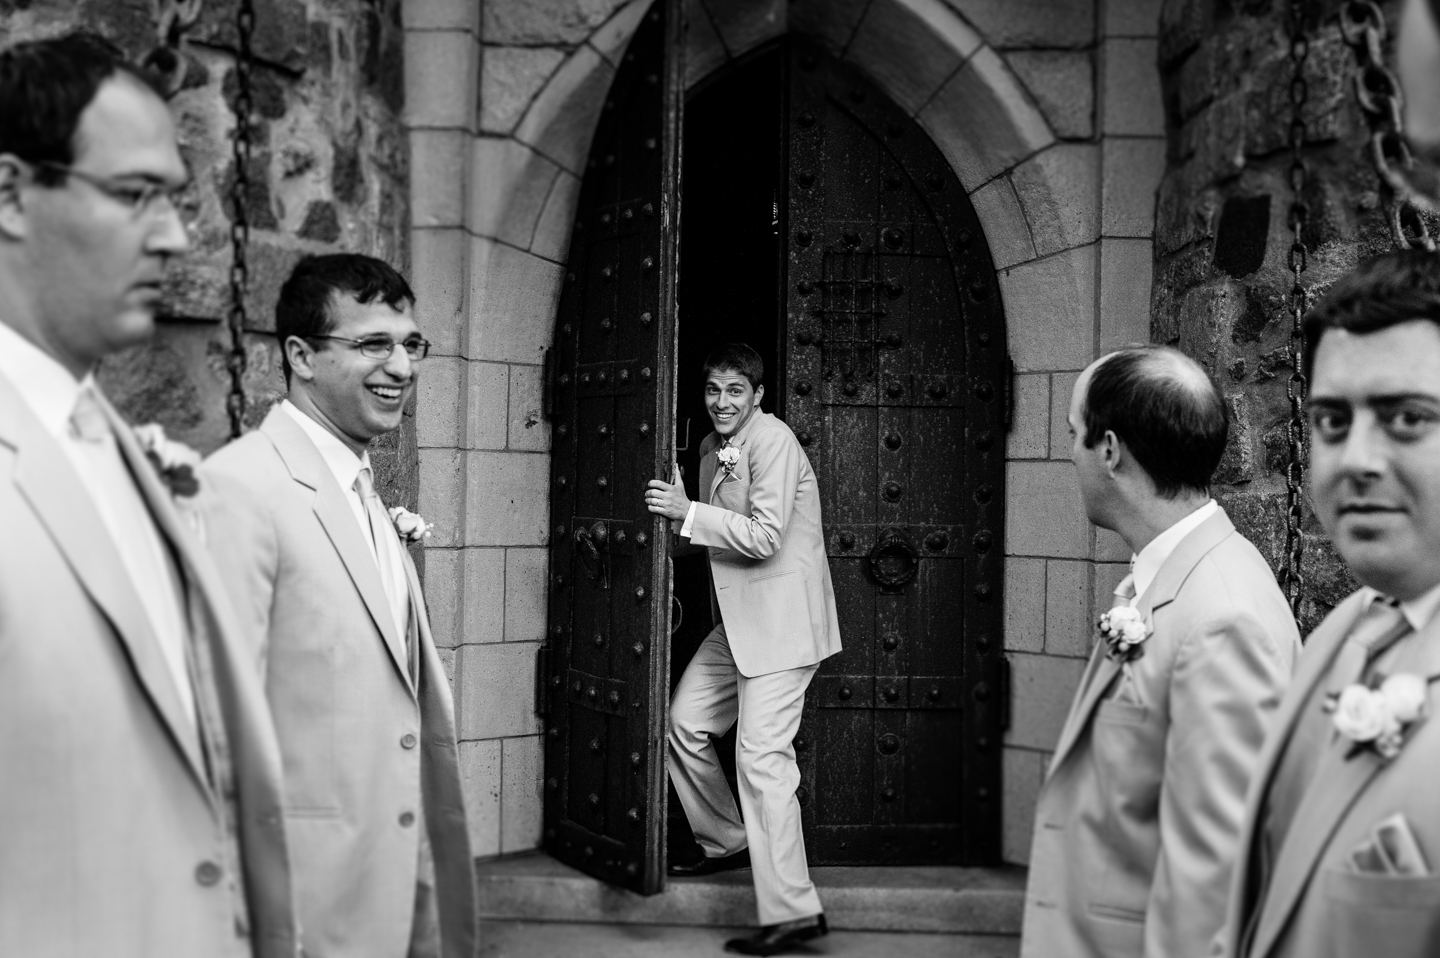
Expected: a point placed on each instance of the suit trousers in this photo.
(711, 697)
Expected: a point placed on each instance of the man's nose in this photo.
(1364, 452)
(168, 236)
(400, 365)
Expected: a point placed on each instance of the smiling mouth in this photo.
(388, 393)
(1367, 509)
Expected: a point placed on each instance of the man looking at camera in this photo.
(759, 519)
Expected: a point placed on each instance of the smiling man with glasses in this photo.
(361, 702)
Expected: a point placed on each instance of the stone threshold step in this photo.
(976, 901)
(522, 939)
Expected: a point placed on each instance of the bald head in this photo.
(1166, 410)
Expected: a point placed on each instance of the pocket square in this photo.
(1391, 849)
(1394, 839)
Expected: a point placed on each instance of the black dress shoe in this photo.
(709, 866)
(773, 939)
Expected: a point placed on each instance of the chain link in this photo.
(1293, 579)
(239, 219)
(1377, 92)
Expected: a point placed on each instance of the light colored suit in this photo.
(1137, 824)
(1316, 905)
(767, 550)
(761, 525)
(112, 835)
(360, 744)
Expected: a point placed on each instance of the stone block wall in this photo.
(1222, 278)
(329, 170)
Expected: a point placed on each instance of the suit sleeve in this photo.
(240, 534)
(775, 460)
(1228, 680)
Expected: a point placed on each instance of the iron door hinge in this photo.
(542, 675)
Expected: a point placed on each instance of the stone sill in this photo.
(535, 887)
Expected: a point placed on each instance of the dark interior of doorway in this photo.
(731, 279)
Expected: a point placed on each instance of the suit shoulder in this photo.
(250, 460)
(772, 431)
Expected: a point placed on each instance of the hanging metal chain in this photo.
(240, 219)
(1377, 91)
(1293, 580)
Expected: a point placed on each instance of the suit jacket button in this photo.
(408, 741)
(207, 873)
(407, 819)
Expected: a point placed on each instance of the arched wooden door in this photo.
(897, 384)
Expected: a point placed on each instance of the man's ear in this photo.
(759, 394)
(13, 223)
(300, 354)
(1114, 451)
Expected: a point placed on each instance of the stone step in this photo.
(526, 939)
(970, 901)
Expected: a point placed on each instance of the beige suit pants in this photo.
(711, 697)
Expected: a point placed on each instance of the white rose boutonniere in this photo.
(729, 456)
(1124, 630)
(1378, 716)
(175, 462)
(410, 526)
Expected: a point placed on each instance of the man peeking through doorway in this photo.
(774, 608)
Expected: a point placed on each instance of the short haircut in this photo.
(304, 306)
(44, 87)
(739, 358)
(1166, 410)
(1384, 291)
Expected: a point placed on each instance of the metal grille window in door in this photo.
(604, 669)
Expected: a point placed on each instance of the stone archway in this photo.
(1072, 254)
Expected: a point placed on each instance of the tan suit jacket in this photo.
(1317, 906)
(761, 525)
(110, 829)
(361, 742)
(1138, 821)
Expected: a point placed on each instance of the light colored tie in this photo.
(151, 569)
(387, 548)
(1125, 592)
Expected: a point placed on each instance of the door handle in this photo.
(591, 556)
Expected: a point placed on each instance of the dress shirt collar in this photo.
(46, 386)
(1418, 611)
(343, 463)
(1148, 563)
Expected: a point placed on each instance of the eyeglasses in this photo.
(380, 348)
(143, 197)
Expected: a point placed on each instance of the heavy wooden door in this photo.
(897, 385)
(605, 666)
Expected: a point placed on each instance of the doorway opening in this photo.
(730, 290)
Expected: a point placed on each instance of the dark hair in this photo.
(304, 306)
(738, 357)
(44, 87)
(1383, 291)
(1174, 424)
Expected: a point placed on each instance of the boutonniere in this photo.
(175, 462)
(410, 526)
(1124, 630)
(729, 456)
(1378, 715)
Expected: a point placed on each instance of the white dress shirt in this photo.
(1147, 564)
(50, 392)
(1418, 611)
(345, 466)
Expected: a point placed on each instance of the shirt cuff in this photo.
(689, 521)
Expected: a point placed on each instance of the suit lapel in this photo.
(47, 480)
(1102, 669)
(308, 468)
(1338, 782)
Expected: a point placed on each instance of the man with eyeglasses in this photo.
(140, 786)
(325, 587)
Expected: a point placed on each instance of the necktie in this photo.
(392, 571)
(1124, 592)
(127, 518)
